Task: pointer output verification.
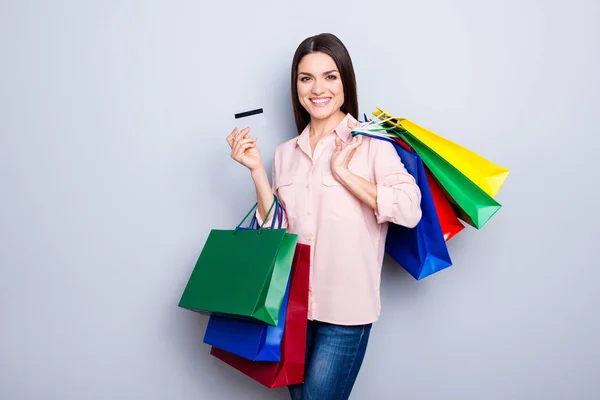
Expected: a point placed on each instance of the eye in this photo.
(304, 78)
(331, 77)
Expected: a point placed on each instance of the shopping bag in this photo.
(252, 340)
(421, 250)
(485, 174)
(242, 273)
(290, 370)
(470, 203)
(448, 220)
(248, 339)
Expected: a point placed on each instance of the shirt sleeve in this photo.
(398, 195)
(281, 215)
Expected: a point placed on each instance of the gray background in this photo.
(114, 167)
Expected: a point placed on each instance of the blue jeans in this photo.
(334, 354)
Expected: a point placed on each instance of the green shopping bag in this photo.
(242, 273)
(470, 202)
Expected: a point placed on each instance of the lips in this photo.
(320, 102)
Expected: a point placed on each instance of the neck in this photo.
(320, 127)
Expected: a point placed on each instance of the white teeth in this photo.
(320, 101)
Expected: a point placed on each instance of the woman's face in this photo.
(320, 88)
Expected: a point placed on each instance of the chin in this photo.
(322, 113)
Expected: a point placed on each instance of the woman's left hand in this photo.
(342, 156)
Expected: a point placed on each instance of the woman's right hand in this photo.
(244, 150)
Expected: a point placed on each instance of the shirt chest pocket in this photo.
(337, 201)
(286, 189)
(329, 180)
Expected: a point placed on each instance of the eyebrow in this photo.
(324, 73)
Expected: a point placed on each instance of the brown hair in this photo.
(329, 44)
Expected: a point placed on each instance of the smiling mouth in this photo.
(320, 102)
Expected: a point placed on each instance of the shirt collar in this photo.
(342, 130)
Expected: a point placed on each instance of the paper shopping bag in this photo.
(470, 203)
(485, 174)
(421, 250)
(290, 370)
(242, 273)
(252, 340)
(248, 339)
(448, 220)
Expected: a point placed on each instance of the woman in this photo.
(339, 193)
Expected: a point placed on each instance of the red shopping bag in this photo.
(290, 370)
(448, 219)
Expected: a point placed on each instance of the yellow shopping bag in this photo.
(485, 174)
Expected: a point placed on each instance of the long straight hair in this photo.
(329, 44)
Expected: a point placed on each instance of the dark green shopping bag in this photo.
(471, 203)
(242, 273)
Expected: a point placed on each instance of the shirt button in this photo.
(307, 185)
(310, 238)
(309, 213)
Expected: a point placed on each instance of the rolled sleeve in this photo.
(398, 195)
(385, 199)
(259, 220)
(269, 221)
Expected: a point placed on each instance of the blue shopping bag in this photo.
(249, 339)
(421, 250)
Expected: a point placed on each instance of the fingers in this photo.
(353, 123)
(241, 136)
(236, 134)
(338, 144)
(351, 148)
(231, 136)
(239, 156)
(354, 143)
(239, 143)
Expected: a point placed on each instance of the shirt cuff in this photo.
(260, 221)
(385, 199)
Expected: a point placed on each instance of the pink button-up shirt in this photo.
(346, 236)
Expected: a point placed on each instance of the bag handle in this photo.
(275, 203)
(278, 215)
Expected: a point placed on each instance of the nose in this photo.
(317, 88)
